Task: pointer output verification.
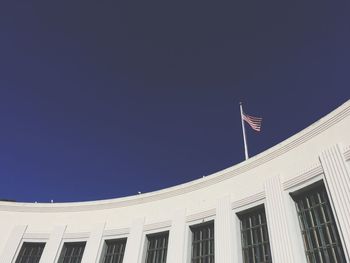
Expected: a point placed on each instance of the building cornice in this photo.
(347, 154)
(287, 145)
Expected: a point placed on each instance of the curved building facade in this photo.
(290, 203)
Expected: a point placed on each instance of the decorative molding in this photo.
(36, 235)
(116, 232)
(201, 215)
(248, 200)
(12, 243)
(337, 179)
(281, 244)
(224, 231)
(53, 244)
(82, 235)
(158, 225)
(133, 249)
(310, 132)
(176, 245)
(308, 174)
(347, 153)
(93, 244)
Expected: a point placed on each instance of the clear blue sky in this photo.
(104, 100)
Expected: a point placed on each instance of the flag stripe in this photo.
(254, 122)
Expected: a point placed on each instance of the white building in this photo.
(290, 203)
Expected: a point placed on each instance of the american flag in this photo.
(254, 122)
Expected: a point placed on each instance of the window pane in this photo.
(255, 238)
(203, 243)
(72, 252)
(320, 235)
(157, 247)
(115, 249)
(30, 252)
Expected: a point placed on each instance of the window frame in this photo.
(110, 236)
(203, 223)
(249, 211)
(151, 234)
(105, 240)
(66, 240)
(301, 192)
(19, 248)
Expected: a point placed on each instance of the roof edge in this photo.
(290, 143)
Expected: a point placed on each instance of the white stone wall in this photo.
(320, 152)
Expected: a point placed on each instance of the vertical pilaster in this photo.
(279, 231)
(13, 243)
(237, 244)
(337, 180)
(133, 245)
(53, 244)
(176, 247)
(93, 244)
(224, 231)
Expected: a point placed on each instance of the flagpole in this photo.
(243, 131)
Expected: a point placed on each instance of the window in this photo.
(255, 237)
(319, 231)
(157, 247)
(30, 252)
(203, 243)
(72, 252)
(114, 251)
